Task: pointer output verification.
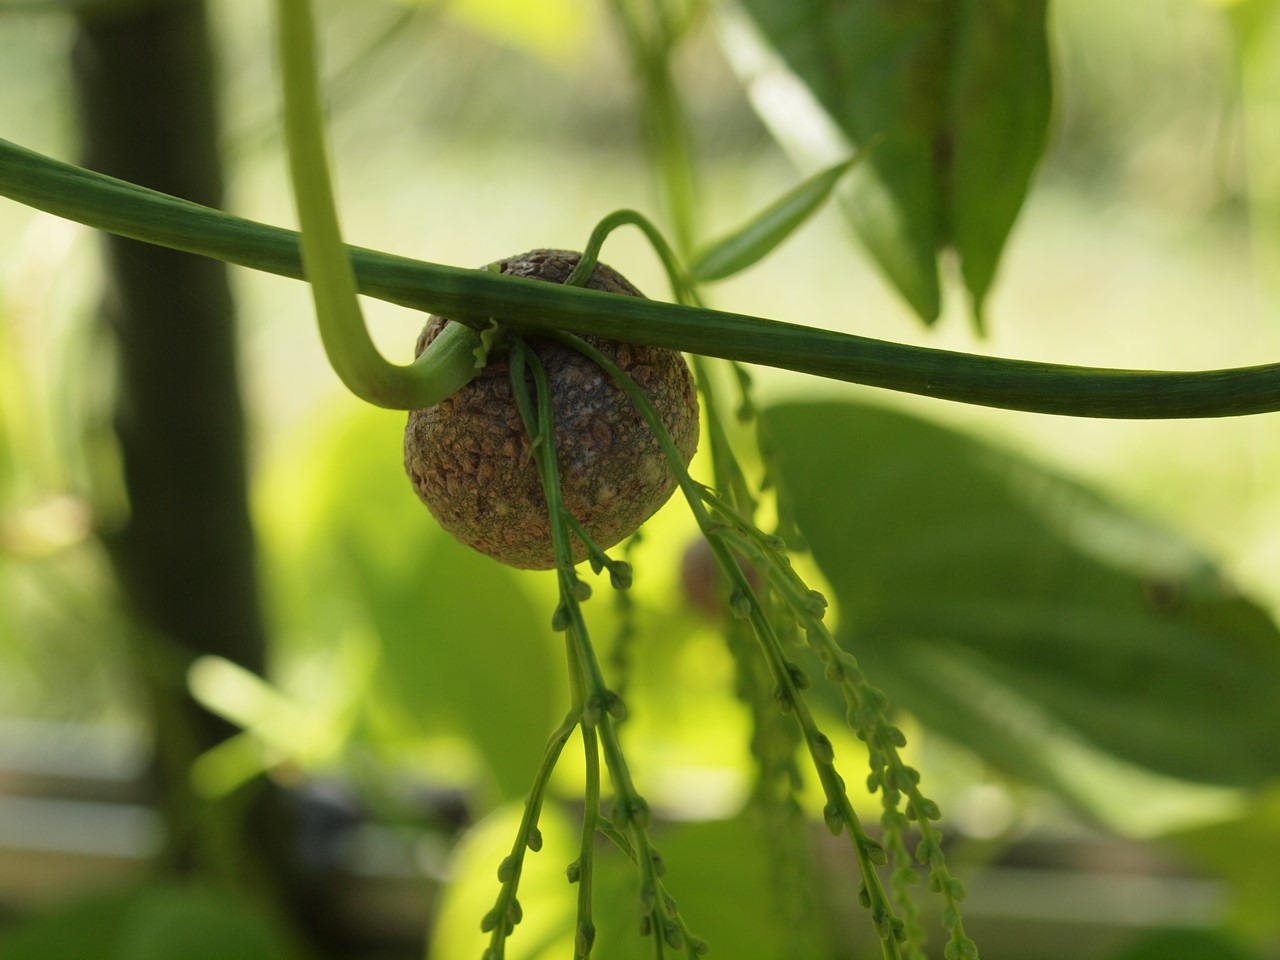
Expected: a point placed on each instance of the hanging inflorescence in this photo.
(771, 609)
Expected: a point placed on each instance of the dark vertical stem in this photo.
(185, 555)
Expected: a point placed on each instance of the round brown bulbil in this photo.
(469, 457)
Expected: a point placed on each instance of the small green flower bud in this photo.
(899, 930)
(882, 920)
(671, 933)
(834, 817)
(823, 752)
(560, 618)
(634, 812)
(659, 864)
(648, 898)
(875, 852)
(584, 939)
(620, 575)
(506, 869)
(783, 700)
(535, 839)
(799, 676)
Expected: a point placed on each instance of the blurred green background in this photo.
(412, 683)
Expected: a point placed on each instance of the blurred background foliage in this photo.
(1078, 615)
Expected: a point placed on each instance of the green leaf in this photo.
(1184, 945)
(960, 95)
(546, 931)
(464, 650)
(756, 238)
(735, 889)
(1000, 97)
(150, 923)
(1243, 852)
(983, 591)
(556, 31)
(464, 646)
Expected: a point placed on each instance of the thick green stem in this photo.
(530, 306)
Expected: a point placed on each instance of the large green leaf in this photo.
(151, 923)
(466, 652)
(1004, 604)
(755, 239)
(958, 95)
(1242, 852)
(466, 649)
(1184, 945)
(546, 898)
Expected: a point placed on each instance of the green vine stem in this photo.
(473, 296)
(440, 371)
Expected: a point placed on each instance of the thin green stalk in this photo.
(726, 470)
(787, 676)
(523, 305)
(441, 370)
(603, 709)
(585, 928)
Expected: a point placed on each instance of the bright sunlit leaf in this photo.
(1244, 852)
(553, 30)
(462, 651)
(1256, 25)
(546, 897)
